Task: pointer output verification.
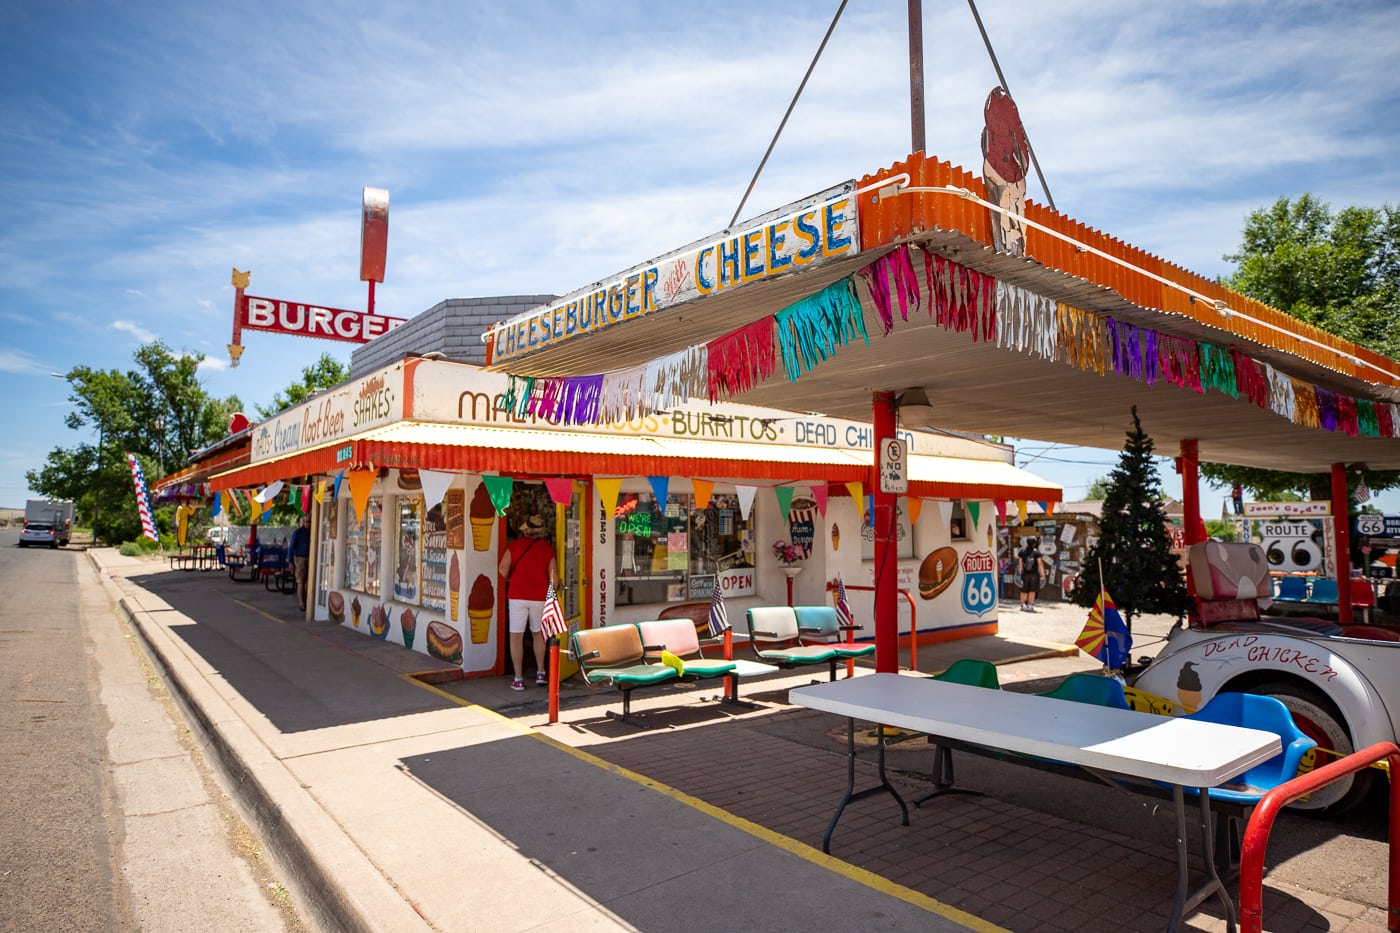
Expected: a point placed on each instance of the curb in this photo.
(335, 882)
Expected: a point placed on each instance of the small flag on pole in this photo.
(1362, 493)
(719, 616)
(1105, 634)
(552, 622)
(843, 606)
(143, 500)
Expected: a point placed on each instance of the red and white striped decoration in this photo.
(143, 501)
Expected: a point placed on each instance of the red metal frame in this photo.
(913, 626)
(1261, 822)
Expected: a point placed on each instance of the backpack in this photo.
(1030, 563)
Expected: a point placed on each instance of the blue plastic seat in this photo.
(1243, 791)
(1324, 590)
(820, 625)
(1292, 589)
(1094, 689)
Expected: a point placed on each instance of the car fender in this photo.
(1221, 660)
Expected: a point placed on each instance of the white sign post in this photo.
(894, 466)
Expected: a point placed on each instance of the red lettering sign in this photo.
(288, 317)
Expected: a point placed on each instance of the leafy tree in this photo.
(124, 409)
(1222, 530)
(1339, 272)
(1098, 490)
(1134, 549)
(325, 373)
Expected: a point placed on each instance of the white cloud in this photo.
(136, 330)
(21, 363)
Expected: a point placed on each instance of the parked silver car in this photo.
(38, 533)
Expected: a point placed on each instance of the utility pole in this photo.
(916, 75)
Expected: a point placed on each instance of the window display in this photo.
(406, 566)
(325, 554)
(678, 553)
(371, 532)
(433, 583)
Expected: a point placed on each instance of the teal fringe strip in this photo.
(1218, 370)
(810, 330)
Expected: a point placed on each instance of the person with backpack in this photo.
(1029, 562)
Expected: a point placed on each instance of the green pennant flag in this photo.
(498, 488)
(785, 500)
(974, 510)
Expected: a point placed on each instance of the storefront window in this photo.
(325, 554)
(406, 566)
(680, 553)
(433, 585)
(362, 542)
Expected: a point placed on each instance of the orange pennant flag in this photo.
(915, 507)
(703, 488)
(361, 484)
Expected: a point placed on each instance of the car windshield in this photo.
(38, 526)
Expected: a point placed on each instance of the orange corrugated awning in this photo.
(518, 451)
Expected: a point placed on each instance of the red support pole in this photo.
(728, 656)
(886, 551)
(553, 666)
(1341, 532)
(370, 307)
(1191, 492)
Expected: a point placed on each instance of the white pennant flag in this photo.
(746, 494)
(945, 513)
(269, 493)
(435, 483)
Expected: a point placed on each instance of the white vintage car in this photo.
(1341, 683)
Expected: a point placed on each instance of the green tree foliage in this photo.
(1134, 549)
(325, 373)
(1098, 490)
(123, 409)
(1339, 272)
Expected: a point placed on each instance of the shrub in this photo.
(131, 549)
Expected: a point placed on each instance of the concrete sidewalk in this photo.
(394, 804)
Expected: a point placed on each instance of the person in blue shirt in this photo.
(301, 554)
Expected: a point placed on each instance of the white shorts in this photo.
(525, 612)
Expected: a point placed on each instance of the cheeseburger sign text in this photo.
(302, 320)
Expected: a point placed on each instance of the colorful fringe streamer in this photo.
(740, 359)
(1179, 362)
(1218, 370)
(620, 398)
(1125, 348)
(1328, 414)
(1386, 419)
(1025, 321)
(674, 378)
(1250, 381)
(1304, 404)
(961, 299)
(1081, 338)
(1281, 398)
(898, 265)
(516, 398)
(810, 330)
(578, 402)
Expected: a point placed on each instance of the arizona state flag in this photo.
(1105, 634)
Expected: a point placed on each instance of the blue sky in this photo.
(535, 147)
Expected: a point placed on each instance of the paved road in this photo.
(109, 820)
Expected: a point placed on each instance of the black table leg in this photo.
(1213, 885)
(851, 793)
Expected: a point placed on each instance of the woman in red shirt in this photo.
(528, 567)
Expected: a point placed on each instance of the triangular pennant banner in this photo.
(660, 487)
(498, 488)
(974, 512)
(269, 492)
(1041, 506)
(304, 494)
(561, 490)
(915, 507)
(1021, 509)
(336, 491)
(819, 493)
(1049, 508)
(254, 510)
(321, 492)
(945, 513)
(435, 483)
(218, 507)
(608, 487)
(703, 489)
(746, 494)
(784, 494)
(1001, 511)
(857, 491)
(361, 483)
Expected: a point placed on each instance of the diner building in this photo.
(419, 473)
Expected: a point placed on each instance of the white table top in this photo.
(1161, 748)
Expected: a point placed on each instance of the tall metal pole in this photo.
(882, 520)
(916, 75)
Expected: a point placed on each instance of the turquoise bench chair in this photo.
(972, 672)
(1094, 689)
(1291, 590)
(821, 625)
(776, 626)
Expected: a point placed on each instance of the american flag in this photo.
(843, 607)
(1362, 493)
(143, 501)
(552, 620)
(719, 616)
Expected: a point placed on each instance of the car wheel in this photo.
(1318, 719)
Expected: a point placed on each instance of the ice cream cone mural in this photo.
(835, 537)
(1188, 687)
(408, 623)
(355, 611)
(454, 585)
(483, 517)
(453, 505)
(1005, 158)
(481, 605)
